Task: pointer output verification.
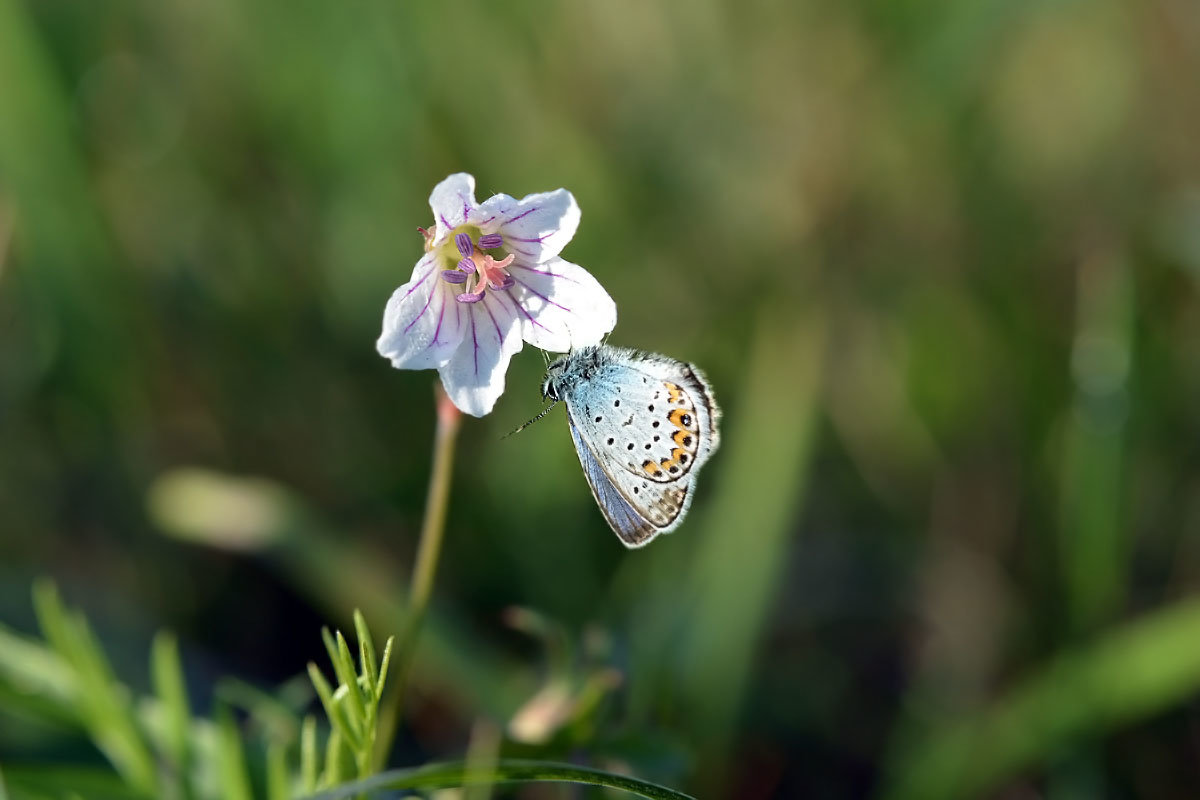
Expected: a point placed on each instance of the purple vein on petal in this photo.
(428, 300)
(533, 241)
(466, 206)
(474, 342)
(529, 316)
(566, 278)
(499, 335)
(539, 294)
(519, 216)
(522, 252)
(438, 330)
(445, 222)
(424, 277)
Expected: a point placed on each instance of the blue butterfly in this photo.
(643, 425)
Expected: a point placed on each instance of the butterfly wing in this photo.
(690, 411)
(634, 529)
(642, 424)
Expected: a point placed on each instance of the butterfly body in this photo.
(642, 425)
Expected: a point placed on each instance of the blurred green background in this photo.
(939, 261)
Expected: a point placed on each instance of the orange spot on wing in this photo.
(682, 418)
(674, 393)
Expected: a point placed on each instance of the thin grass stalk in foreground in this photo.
(429, 548)
(458, 774)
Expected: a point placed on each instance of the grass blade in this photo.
(231, 761)
(333, 709)
(343, 668)
(353, 687)
(169, 686)
(335, 763)
(103, 703)
(455, 774)
(308, 754)
(1093, 538)
(366, 651)
(383, 666)
(278, 785)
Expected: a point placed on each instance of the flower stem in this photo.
(429, 548)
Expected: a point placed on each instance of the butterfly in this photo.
(643, 425)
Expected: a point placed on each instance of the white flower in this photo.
(490, 278)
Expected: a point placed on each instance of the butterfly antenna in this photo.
(522, 427)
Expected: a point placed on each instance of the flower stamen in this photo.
(464, 244)
(491, 274)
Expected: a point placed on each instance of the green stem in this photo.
(429, 548)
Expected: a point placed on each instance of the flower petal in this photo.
(422, 325)
(474, 377)
(535, 228)
(451, 201)
(561, 305)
